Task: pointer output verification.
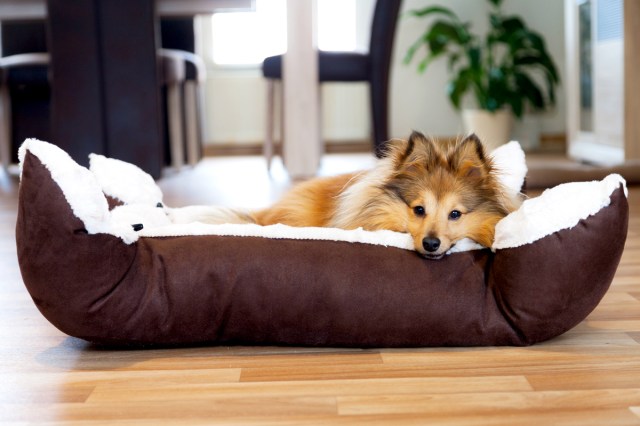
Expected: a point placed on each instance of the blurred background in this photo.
(164, 83)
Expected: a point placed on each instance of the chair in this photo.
(25, 90)
(178, 42)
(24, 86)
(24, 94)
(372, 67)
(172, 78)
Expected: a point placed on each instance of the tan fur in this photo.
(310, 203)
(439, 178)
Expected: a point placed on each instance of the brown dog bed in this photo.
(98, 279)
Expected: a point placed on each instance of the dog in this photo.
(439, 192)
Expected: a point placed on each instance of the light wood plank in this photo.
(139, 391)
(488, 403)
(602, 377)
(76, 414)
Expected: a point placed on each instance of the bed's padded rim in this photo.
(198, 289)
(66, 271)
(548, 287)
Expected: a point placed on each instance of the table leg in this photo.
(105, 91)
(302, 147)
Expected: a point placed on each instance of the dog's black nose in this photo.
(431, 244)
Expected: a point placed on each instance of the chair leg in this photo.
(280, 93)
(5, 127)
(200, 114)
(268, 140)
(176, 138)
(193, 121)
(379, 98)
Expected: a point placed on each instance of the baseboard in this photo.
(255, 148)
(550, 142)
(553, 143)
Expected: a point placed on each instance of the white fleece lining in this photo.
(279, 231)
(556, 209)
(80, 188)
(85, 196)
(384, 238)
(124, 181)
(509, 161)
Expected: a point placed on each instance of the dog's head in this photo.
(449, 192)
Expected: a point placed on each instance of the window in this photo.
(337, 25)
(246, 38)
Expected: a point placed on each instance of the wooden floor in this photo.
(589, 376)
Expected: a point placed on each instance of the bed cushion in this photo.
(100, 280)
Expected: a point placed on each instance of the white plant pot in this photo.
(527, 132)
(493, 128)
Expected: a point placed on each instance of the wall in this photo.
(236, 97)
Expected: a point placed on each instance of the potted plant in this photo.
(507, 71)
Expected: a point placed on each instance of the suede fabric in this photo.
(548, 287)
(228, 290)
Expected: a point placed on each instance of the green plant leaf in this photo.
(433, 10)
(474, 54)
(495, 20)
(441, 30)
(497, 74)
(523, 39)
(551, 93)
(517, 105)
(512, 24)
(437, 39)
(527, 59)
(492, 104)
(509, 66)
(422, 66)
(530, 90)
(458, 86)
(535, 59)
(408, 57)
(548, 65)
(453, 60)
(498, 88)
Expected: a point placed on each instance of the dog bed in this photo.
(106, 261)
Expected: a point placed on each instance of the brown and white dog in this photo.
(439, 192)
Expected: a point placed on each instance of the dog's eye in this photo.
(455, 215)
(419, 211)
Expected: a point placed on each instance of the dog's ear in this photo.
(469, 158)
(400, 150)
(397, 150)
(423, 145)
